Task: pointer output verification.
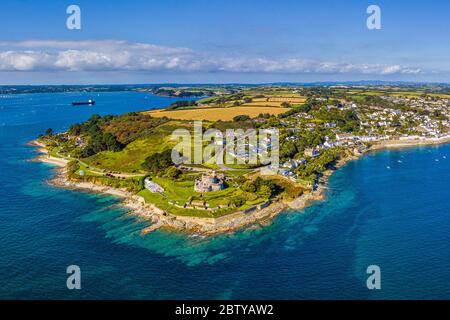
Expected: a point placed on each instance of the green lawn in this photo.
(179, 192)
(163, 203)
(238, 172)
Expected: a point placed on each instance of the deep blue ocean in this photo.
(390, 208)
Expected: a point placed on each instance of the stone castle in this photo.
(209, 182)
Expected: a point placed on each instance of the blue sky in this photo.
(223, 41)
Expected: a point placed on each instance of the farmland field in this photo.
(214, 114)
(284, 99)
(262, 104)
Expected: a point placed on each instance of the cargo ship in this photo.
(80, 103)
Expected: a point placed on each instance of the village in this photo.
(318, 128)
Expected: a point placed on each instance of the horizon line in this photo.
(366, 82)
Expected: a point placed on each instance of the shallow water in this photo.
(379, 210)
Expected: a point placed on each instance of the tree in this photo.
(101, 142)
(173, 172)
(266, 188)
(240, 180)
(237, 201)
(298, 109)
(94, 118)
(72, 167)
(75, 129)
(264, 115)
(265, 191)
(49, 132)
(158, 162)
(111, 142)
(248, 186)
(288, 150)
(181, 104)
(243, 117)
(88, 151)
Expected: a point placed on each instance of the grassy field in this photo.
(177, 193)
(134, 154)
(214, 114)
(262, 104)
(395, 93)
(282, 99)
(162, 203)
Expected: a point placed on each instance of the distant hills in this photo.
(203, 89)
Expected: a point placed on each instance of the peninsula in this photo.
(320, 129)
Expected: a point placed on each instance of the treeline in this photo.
(158, 162)
(346, 120)
(131, 126)
(260, 188)
(263, 187)
(161, 164)
(318, 165)
(98, 140)
(113, 133)
(182, 104)
(220, 100)
(304, 108)
(180, 92)
(377, 101)
(295, 149)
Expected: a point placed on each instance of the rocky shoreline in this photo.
(204, 226)
(161, 219)
(209, 226)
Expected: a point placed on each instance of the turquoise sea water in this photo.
(390, 208)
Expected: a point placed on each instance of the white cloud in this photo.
(112, 55)
(24, 60)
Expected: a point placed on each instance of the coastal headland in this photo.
(165, 220)
(129, 155)
(208, 226)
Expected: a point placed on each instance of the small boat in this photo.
(80, 103)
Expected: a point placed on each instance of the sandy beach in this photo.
(392, 144)
(52, 160)
(45, 157)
